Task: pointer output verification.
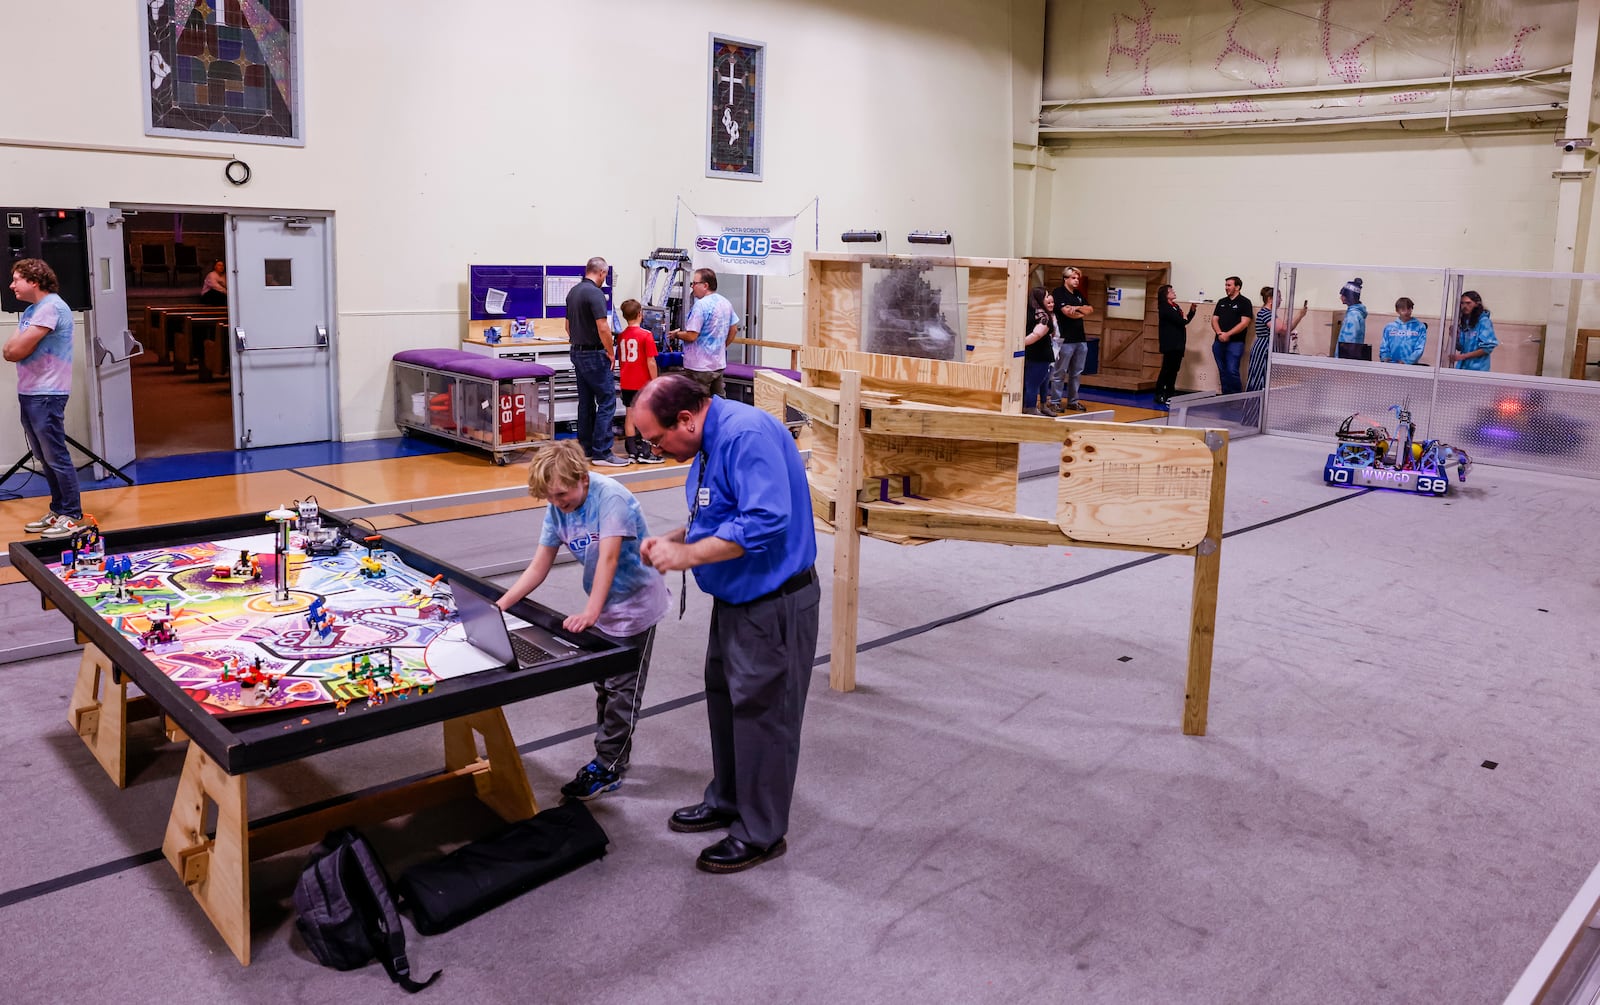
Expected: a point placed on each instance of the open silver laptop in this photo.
(486, 630)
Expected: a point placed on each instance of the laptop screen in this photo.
(485, 625)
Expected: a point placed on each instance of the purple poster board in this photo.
(563, 278)
(516, 290)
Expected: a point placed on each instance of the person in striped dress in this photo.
(1261, 347)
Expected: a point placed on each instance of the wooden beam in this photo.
(907, 372)
(943, 520)
(792, 348)
(773, 391)
(847, 540)
(916, 419)
(423, 794)
(894, 261)
(1203, 601)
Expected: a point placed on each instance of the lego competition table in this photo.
(359, 641)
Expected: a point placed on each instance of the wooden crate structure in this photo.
(989, 374)
(1130, 354)
(893, 458)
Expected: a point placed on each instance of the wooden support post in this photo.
(215, 869)
(503, 787)
(1203, 602)
(98, 712)
(846, 536)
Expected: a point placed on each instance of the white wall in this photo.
(1230, 206)
(509, 132)
(1216, 207)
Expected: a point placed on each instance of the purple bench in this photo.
(741, 385)
(494, 404)
(470, 364)
(744, 371)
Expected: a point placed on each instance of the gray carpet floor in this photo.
(1005, 810)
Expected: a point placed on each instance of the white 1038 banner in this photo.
(745, 245)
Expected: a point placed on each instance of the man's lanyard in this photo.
(694, 511)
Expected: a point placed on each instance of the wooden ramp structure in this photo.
(912, 450)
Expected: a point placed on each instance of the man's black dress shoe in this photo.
(700, 817)
(732, 855)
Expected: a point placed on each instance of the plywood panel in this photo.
(833, 303)
(977, 472)
(1149, 488)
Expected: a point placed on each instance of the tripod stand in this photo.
(27, 456)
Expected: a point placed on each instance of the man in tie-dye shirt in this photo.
(42, 350)
(712, 322)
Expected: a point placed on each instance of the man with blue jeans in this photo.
(1073, 354)
(589, 332)
(42, 350)
(1229, 320)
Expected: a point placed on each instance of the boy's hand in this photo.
(580, 622)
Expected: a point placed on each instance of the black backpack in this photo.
(345, 912)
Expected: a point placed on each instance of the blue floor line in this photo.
(235, 462)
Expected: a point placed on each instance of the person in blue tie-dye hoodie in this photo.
(42, 350)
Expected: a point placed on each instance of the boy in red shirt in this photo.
(636, 365)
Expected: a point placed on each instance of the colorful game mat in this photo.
(372, 648)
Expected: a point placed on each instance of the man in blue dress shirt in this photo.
(751, 545)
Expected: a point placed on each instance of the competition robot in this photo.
(1374, 457)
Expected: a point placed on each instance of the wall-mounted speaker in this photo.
(61, 238)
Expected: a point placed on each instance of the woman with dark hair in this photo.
(1474, 336)
(214, 291)
(1268, 326)
(1039, 354)
(1172, 339)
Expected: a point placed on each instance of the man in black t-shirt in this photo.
(589, 331)
(1229, 322)
(1073, 353)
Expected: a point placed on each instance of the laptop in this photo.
(486, 630)
(1355, 350)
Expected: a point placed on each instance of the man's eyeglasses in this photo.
(655, 444)
(699, 282)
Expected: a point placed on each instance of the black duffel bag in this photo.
(485, 874)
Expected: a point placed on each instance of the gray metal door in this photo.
(281, 295)
(111, 345)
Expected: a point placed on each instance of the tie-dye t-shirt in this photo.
(711, 316)
(638, 594)
(48, 369)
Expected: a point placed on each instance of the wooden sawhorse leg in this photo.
(216, 868)
(100, 711)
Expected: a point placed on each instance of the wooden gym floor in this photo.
(337, 485)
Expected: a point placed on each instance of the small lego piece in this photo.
(161, 636)
(119, 569)
(319, 619)
(85, 552)
(255, 684)
(244, 569)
